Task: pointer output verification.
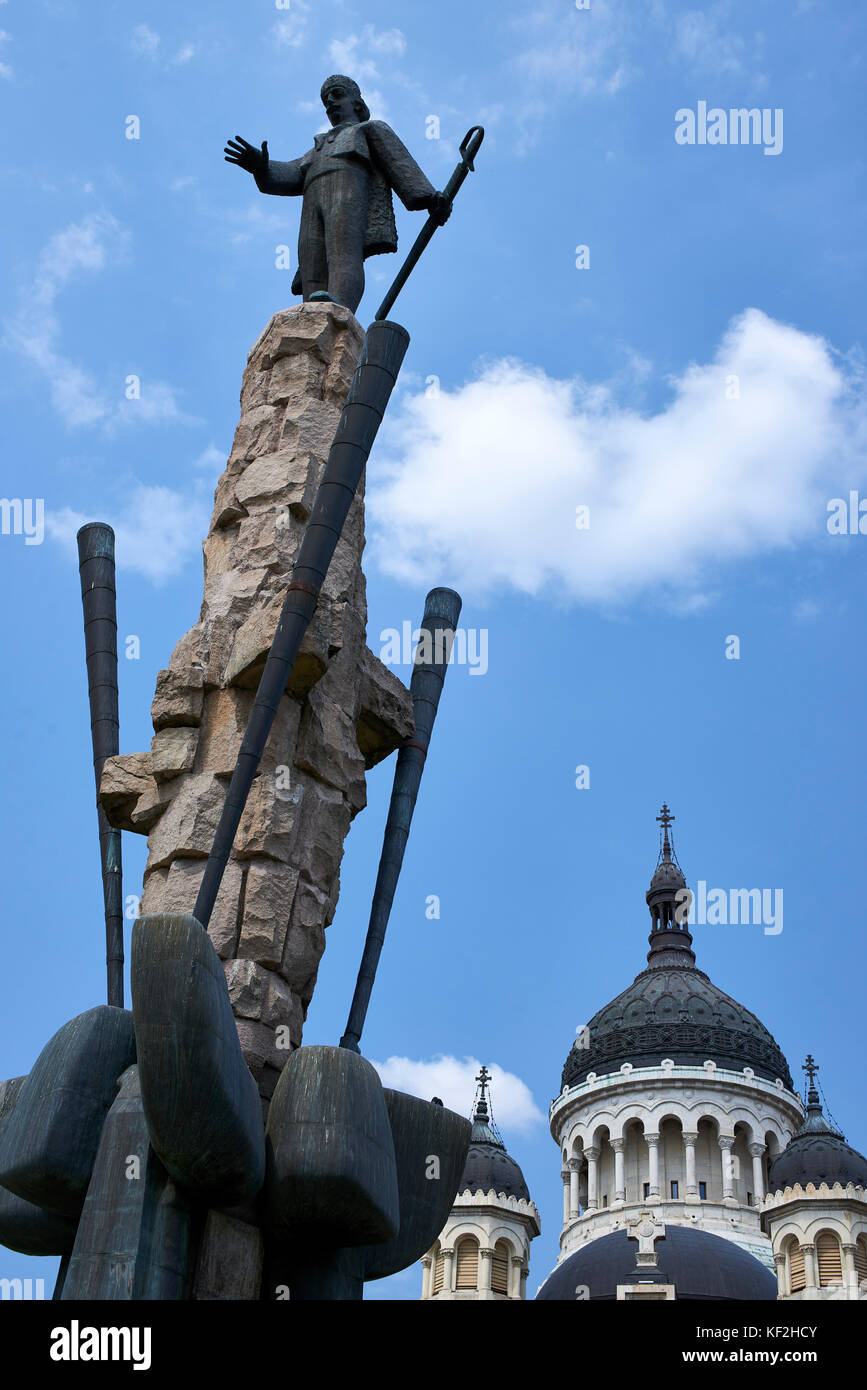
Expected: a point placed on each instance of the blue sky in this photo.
(699, 386)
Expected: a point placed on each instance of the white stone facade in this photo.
(490, 1233)
(692, 1143)
(819, 1239)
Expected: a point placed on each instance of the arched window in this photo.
(500, 1268)
(828, 1259)
(439, 1271)
(861, 1258)
(797, 1275)
(467, 1263)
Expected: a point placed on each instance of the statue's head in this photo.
(343, 101)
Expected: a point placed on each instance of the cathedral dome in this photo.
(489, 1167)
(817, 1153)
(672, 1009)
(699, 1265)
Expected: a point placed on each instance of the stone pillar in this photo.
(811, 1276)
(619, 1146)
(574, 1203)
(726, 1142)
(850, 1273)
(342, 712)
(565, 1175)
(448, 1271)
(756, 1151)
(525, 1270)
(592, 1156)
(486, 1255)
(780, 1267)
(516, 1265)
(426, 1266)
(690, 1139)
(652, 1141)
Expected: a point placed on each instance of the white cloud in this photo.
(182, 56)
(454, 1082)
(356, 57)
(7, 72)
(290, 30)
(145, 41)
(34, 332)
(158, 529)
(480, 485)
(707, 42)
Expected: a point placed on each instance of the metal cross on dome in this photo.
(483, 1079)
(810, 1067)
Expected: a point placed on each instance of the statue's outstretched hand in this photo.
(440, 208)
(241, 152)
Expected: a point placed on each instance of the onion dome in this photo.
(699, 1265)
(818, 1152)
(488, 1166)
(673, 1009)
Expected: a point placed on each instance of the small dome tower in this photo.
(816, 1210)
(483, 1250)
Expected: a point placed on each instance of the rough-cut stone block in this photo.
(385, 715)
(173, 750)
(269, 893)
(285, 477)
(179, 698)
(324, 824)
(187, 827)
(305, 939)
(130, 795)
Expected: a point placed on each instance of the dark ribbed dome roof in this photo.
(488, 1166)
(817, 1153)
(700, 1265)
(672, 1009)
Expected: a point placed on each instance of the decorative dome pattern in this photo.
(672, 1009)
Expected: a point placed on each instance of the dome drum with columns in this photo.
(483, 1251)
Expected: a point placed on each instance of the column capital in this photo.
(574, 1165)
(592, 1153)
(651, 1140)
(848, 1246)
(757, 1149)
(690, 1137)
(808, 1248)
(618, 1145)
(487, 1251)
(564, 1174)
(448, 1253)
(726, 1141)
(780, 1259)
(427, 1261)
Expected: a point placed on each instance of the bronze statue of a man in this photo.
(346, 181)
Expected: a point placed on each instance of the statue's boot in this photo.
(332, 1178)
(124, 1248)
(49, 1140)
(24, 1227)
(201, 1102)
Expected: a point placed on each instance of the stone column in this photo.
(726, 1143)
(525, 1270)
(426, 1265)
(780, 1267)
(592, 1156)
(574, 1203)
(565, 1175)
(486, 1255)
(690, 1139)
(652, 1141)
(516, 1265)
(850, 1273)
(756, 1151)
(619, 1145)
(811, 1275)
(448, 1271)
(343, 711)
